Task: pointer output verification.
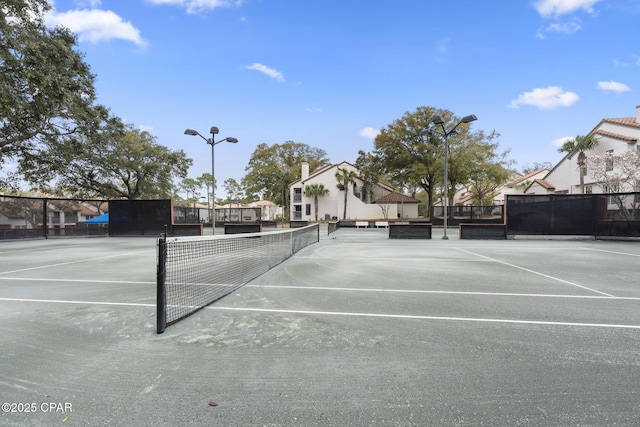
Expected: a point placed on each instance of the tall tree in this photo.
(484, 169)
(399, 146)
(345, 177)
(116, 162)
(580, 144)
(269, 165)
(315, 191)
(190, 186)
(204, 180)
(47, 89)
(234, 190)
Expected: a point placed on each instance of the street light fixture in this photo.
(211, 141)
(437, 120)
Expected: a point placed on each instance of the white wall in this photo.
(333, 203)
(566, 175)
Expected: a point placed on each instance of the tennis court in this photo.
(354, 330)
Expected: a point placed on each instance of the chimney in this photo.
(305, 170)
(638, 114)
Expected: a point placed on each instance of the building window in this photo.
(609, 160)
(297, 212)
(297, 195)
(307, 209)
(588, 189)
(611, 189)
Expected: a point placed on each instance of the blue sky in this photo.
(331, 73)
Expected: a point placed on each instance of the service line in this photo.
(535, 272)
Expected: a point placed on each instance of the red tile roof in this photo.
(625, 121)
(397, 198)
(616, 136)
(545, 184)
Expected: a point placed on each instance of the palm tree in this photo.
(345, 177)
(315, 191)
(580, 144)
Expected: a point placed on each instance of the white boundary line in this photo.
(71, 262)
(29, 279)
(336, 313)
(420, 291)
(535, 272)
(417, 317)
(611, 252)
(56, 301)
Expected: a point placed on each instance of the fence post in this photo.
(45, 217)
(161, 304)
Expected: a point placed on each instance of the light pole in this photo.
(211, 141)
(284, 204)
(437, 120)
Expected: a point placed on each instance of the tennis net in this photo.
(194, 272)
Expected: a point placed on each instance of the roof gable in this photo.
(397, 198)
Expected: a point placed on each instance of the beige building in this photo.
(615, 135)
(381, 202)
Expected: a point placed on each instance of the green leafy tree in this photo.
(269, 165)
(483, 168)
(345, 177)
(315, 191)
(190, 186)
(234, 190)
(580, 144)
(371, 173)
(118, 161)
(204, 181)
(399, 146)
(47, 89)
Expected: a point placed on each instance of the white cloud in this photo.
(369, 132)
(274, 74)
(546, 98)
(549, 8)
(96, 25)
(614, 86)
(196, 6)
(560, 141)
(570, 27)
(145, 128)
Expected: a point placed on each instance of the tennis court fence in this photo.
(194, 272)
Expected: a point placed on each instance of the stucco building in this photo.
(615, 135)
(380, 202)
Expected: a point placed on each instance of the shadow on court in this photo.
(354, 330)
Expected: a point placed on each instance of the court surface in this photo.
(354, 330)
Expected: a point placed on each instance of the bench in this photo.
(383, 224)
(364, 224)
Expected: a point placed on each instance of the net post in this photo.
(161, 304)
